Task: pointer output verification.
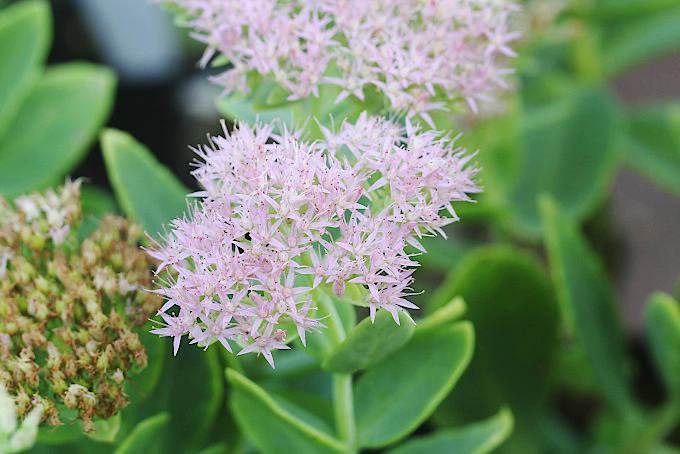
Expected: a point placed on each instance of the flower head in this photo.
(69, 307)
(418, 54)
(282, 222)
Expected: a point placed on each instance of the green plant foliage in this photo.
(370, 342)
(53, 127)
(146, 436)
(449, 312)
(191, 390)
(395, 396)
(145, 189)
(567, 149)
(662, 321)
(25, 30)
(641, 39)
(275, 427)
(654, 144)
(511, 304)
(587, 302)
(617, 10)
(478, 438)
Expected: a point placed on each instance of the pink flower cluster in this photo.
(281, 220)
(415, 52)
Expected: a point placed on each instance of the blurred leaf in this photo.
(25, 33)
(587, 303)
(54, 126)
(511, 304)
(478, 438)
(662, 320)
(146, 437)
(241, 107)
(146, 190)
(57, 435)
(445, 314)
(394, 397)
(218, 448)
(654, 144)
(194, 381)
(369, 343)
(640, 40)
(97, 203)
(569, 150)
(620, 9)
(105, 430)
(271, 427)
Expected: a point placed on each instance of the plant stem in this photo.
(343, 406)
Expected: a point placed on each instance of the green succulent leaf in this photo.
(395, 396)
(478, 438)
(273, 426)
(53, 128)
(662, 320)
(97, 203)
(370, 342)
(511, 303)
(654, 144)
(25, 33)
(449, 312)
(146, 437)
(146, 190)
(641, 39)
(568, 150)
(194, 385)
(587, 303)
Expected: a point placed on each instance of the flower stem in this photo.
(343, 406)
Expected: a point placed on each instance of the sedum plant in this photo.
(283, 224)
(69, 308)
(412, 57)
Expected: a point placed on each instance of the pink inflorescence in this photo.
(281, 220)
(415, 52)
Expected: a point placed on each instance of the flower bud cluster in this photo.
(68, 308)
(282, 220)
(416, 53)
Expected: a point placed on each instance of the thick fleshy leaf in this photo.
(569, 150)
(194, 382)
(97, 203)
(641, 39)
(511, 304)
(587, 303)
(370, 342)
(478, 438)
(146, 437)
(654, 144)
(662, 320)
(146, 190)
(25, 32)
(53, 128)
(273, 426)
(397, 395)
(449, 312)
